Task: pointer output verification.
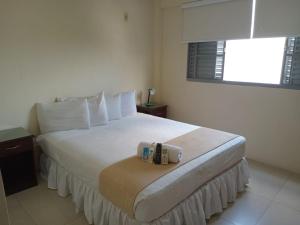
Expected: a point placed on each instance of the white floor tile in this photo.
(279, 214)
(46, 207)
(247, 209)
(216, 220)
(265, 180)
(17, 215)
(79, 221)
(290, 193)
(12, 202)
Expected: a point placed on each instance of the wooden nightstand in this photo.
(16, 160)
(155, 110)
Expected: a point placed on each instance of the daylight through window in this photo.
(254, 60)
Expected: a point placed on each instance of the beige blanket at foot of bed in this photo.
(121, 182)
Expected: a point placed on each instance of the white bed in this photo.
(84, 153)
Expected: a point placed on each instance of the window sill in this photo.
(245, 83)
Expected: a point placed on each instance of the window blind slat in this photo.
(205, 60)
(291, 68)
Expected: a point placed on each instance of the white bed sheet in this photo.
(86, 152)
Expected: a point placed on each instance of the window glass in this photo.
(254, 60)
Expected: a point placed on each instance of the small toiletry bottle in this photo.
(145, 153)
(164, 156)
(157, 157)
(151, 154)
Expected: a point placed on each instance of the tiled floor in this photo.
(273, 198)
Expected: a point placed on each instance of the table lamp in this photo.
(151, 91)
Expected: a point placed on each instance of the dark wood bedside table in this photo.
(17, 160)
(155, 110)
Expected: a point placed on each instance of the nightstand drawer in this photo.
(160, 114)
(15, 146)
(154, 110)
(17, 160)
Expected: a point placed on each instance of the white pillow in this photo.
(61, 116)
(97, 109)
(128, 103)
(113, 105)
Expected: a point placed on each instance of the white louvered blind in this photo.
(291, 68)
(206, 60)
(218, 21)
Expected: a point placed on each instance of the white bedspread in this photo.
(86, 152)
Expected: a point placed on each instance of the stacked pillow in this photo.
(121, 105)
(84, 112)
(113, 104)
(128, 103)
(63, 116)
(97, 109)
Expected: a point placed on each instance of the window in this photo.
(262, 61)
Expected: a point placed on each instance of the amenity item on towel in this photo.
(174, 152)
(123, 181)
(63, 116)
(164, 156)
(141, 146)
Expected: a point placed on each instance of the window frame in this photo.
(240, 83)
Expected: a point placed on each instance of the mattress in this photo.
(86, 152)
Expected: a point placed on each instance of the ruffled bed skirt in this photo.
(209, 199)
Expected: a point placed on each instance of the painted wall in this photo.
(268, 117)
(51, 48)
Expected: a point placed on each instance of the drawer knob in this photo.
(14, 147)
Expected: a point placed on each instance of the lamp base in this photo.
(149, 104)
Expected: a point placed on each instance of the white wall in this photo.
(268, 117)
(157, 46)
(52, 48)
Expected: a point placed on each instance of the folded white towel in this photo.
(174, 152)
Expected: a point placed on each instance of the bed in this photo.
(72, 161)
